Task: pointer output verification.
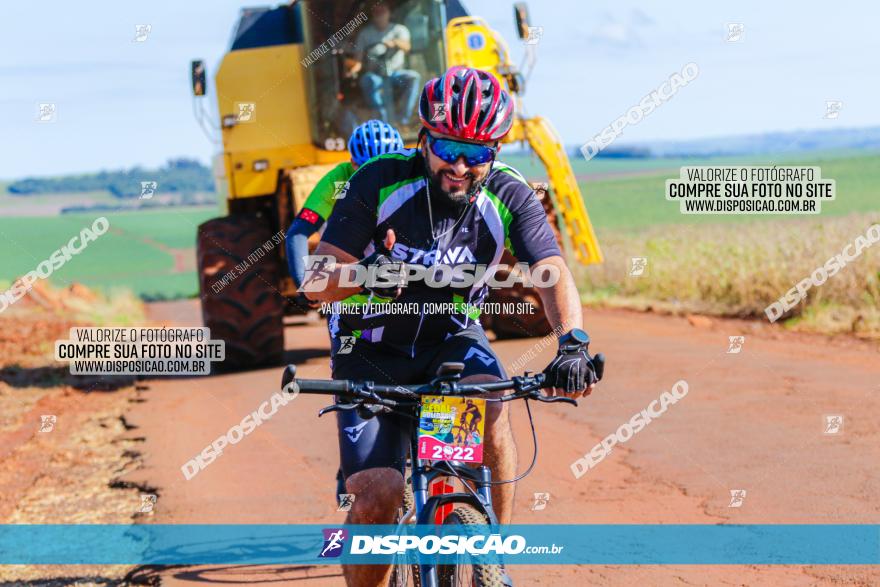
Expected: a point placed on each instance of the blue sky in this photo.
(122, 103)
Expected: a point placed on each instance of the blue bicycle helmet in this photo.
(373, 138)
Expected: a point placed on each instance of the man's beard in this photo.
(455, 199)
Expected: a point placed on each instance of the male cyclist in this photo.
(446, 202)
(368, 140)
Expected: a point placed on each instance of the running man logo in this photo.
(340, 190)
(735, 344)
(832, 109)
(735, 32)
(637, 266)
(535, 34)
(148, 500)
(47, 423)
(334, 541)
(346, 345)
(148, 189)
(541, 189)
(317, 275)
(247, 112)
(346, 500)
(438, 111)
(141, 32)
(541, 500)
(47, 112)
(833, 424)
(737, 497)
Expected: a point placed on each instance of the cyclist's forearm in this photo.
(562, 302)
(297, 248)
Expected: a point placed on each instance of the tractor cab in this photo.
(366, 60)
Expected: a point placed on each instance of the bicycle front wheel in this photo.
(406, 574)
(464, 574)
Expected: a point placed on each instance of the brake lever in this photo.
(336, 408)
(548, 399)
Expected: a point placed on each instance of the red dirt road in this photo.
(752, 421)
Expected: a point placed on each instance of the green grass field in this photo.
(625, 199)
(637, 202)
(130, 255)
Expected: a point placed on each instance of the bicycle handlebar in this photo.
(526, 386)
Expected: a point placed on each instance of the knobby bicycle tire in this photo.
(406, 574)
(481, 575)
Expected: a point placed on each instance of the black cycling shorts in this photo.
(383, 441)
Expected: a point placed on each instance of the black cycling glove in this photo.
(573, 369)
(386, 277)
(304, 303)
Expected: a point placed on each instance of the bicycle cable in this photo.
(524, 473)
(534, 454)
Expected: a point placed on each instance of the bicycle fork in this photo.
(427, 506)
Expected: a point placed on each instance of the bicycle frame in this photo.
(426, 507)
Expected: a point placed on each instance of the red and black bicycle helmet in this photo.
(476, 107)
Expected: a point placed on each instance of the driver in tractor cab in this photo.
(445, 202)
(368, 140)
(379, 57)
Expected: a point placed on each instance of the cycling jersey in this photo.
(390, 192)
(327, 191)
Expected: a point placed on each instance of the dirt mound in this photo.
(43, 295)
(63, 446)
(30, 326)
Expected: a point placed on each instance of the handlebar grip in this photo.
(291, 384)
(288, 376)
(322, 386)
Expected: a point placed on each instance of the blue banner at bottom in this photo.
(515, 544)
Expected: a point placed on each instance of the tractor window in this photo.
(374, 68)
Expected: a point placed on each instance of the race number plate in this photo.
(451, 429)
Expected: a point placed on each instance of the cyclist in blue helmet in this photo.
(368, 140)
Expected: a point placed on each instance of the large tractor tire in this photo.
(241, 303)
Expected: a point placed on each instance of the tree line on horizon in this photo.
(181, 175)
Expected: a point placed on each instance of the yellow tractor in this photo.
(286, 104)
